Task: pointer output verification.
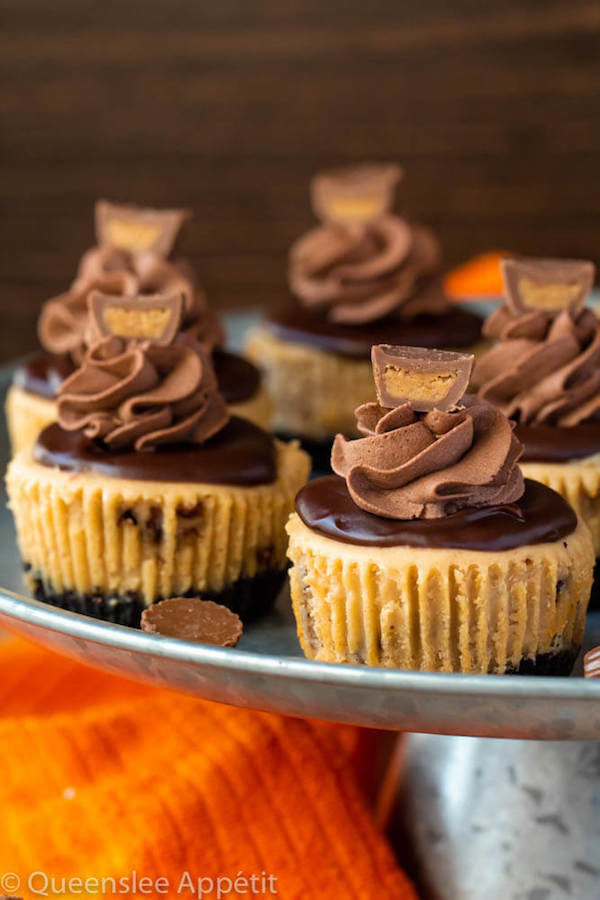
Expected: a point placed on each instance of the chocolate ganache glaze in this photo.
(544, 370)
(546, 443)
(43, 375)
(455, 328)
(540, 516)
(237, 378)
(240, 454)
(363, 263)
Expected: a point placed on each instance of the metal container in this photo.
(504, 820)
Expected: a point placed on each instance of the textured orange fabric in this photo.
(102, 777)
(477, 278)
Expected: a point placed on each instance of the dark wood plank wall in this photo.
(229, 106)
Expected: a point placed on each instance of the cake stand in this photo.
(501, 775)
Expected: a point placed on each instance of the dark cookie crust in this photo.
(560, 663)
(250, 598)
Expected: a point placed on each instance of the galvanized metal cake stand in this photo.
(489, 817)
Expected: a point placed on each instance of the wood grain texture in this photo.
(229, 107)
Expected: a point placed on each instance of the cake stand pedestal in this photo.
(503, 819)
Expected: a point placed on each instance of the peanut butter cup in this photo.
(147, 487)
(363, 276)
(591, 663)
(130, 260)
(201, 621)
(427, 549)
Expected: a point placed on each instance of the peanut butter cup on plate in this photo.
(363, 276)
(133, 257)
(147, 487)
(427, 549)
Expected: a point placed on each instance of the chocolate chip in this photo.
(153, 526)
(189, 520)
(128, 516)
(192, 512)
(265, 557)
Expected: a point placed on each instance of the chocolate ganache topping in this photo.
(363, 262)
(429, 455)
(545, 366)
(142, 384)
(135, 266)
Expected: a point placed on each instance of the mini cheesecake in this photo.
(365, 276)
(543, 371)
(147, 488)
(427, 550)
(136, 264)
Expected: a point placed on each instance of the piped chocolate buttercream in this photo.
(417, 461)
(363, 263)
(132, 394)
(138, 393)
(545, 367)
(63, 326)
(237, 377)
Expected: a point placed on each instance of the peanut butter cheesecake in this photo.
(543, 372)
(363, 276)
(147, 487)
(131, 258)
(428, 549)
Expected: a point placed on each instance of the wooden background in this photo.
(230, 106)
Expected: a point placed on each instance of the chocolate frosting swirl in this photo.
(63, 326)
(425, 466)
(545, 368)
(360, 270)
(139, 395)
(364, 273)
(63, 322)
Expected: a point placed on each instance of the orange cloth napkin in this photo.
(478, 278)
(104, 778)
